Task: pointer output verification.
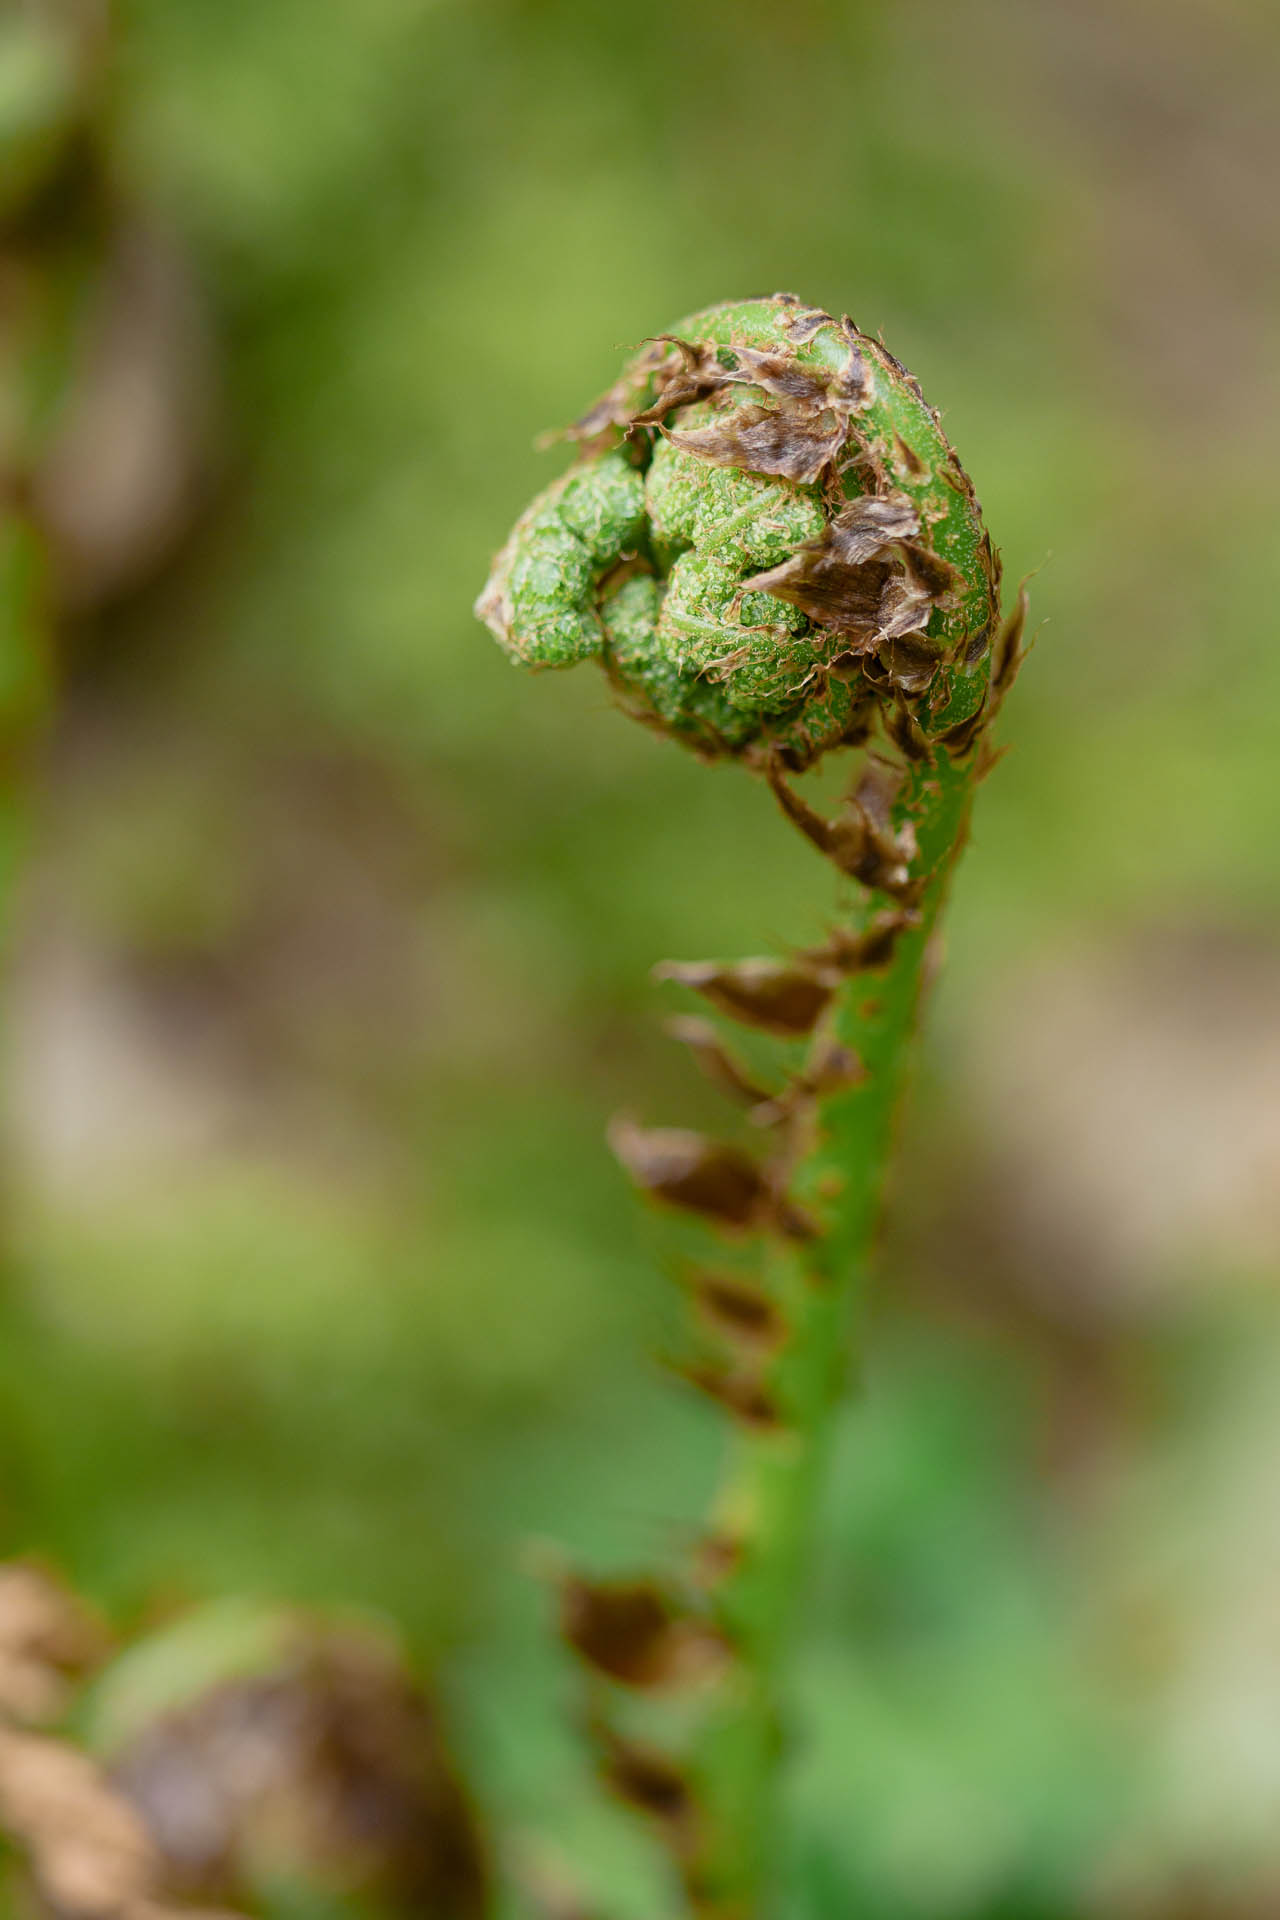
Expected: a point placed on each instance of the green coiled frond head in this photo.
(766, 538)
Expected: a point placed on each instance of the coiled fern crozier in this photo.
(772, 551)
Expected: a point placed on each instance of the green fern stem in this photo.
(765, 1513)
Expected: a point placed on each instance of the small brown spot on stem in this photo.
(738, 1310)
(633, 1632)
(741, 1394)
(834, 1068)
(716, 1558)
(959, 740)
(905, 731)
(862, 841)
(688, 1170)
(645, 1779)
(869, 949)
(1009, 652)
(715, 1059)
(778, 996)
(907, 458)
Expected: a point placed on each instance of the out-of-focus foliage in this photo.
(334, 937)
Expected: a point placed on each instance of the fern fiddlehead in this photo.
(771, 549)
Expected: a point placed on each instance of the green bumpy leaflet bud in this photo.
(765, 536)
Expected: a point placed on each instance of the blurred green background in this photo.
(329, 960)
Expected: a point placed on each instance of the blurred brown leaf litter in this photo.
(312, 1759)
(83, 1849)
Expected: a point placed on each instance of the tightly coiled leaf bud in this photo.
(765, 538)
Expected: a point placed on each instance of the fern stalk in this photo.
(770, 547)
(765, 1512)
